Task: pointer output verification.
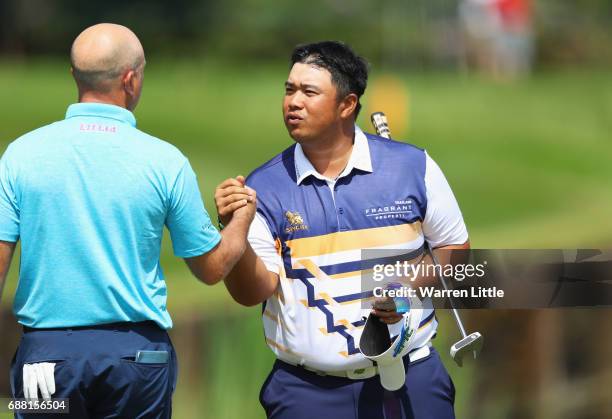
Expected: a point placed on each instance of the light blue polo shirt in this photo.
(88, 197)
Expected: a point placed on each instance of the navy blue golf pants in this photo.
(292, 392)
(95, 369)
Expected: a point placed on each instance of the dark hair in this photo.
(349, 71)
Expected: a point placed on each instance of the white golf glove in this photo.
(38, 376)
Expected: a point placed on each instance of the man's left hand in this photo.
(384, 308)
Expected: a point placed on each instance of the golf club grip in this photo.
(379, 121)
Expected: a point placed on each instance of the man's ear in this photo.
(347, 105)
(129, 82)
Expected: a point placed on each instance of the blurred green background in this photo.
(527, 153)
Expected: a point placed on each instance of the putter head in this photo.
(471, 343)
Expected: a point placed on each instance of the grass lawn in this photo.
(529, 163)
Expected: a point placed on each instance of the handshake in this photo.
(235, 200)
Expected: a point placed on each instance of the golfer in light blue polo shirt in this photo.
(88, 197)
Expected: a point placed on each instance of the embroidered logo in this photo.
(296, 222)
(397, 209)
(98, 128)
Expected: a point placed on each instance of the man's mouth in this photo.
(293, 119)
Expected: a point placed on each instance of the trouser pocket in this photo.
(144, 381)
(61, 375)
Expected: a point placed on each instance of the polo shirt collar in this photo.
(101, 110)
(360, 159)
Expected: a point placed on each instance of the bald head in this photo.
(102, 54)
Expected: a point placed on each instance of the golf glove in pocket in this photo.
(39, 376)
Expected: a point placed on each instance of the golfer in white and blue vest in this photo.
(322, 201)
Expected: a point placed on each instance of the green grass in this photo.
(529, 163)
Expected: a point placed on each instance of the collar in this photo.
(360, 159)
(102, 110)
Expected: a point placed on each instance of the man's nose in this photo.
(296, 100)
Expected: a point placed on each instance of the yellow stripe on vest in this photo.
(352, 240)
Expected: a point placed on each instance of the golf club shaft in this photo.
(450, 300)
(379, 120)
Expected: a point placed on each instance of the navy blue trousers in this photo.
(95, 369)
(292, 392)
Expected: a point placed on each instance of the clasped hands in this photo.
(234, 199)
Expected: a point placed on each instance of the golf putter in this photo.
(468, 343)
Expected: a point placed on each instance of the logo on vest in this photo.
(296, 222)
(398, 209)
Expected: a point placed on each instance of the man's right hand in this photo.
(234, 198)
(236, 206)
(248, 280)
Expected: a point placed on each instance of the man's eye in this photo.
(289, 90)
(310, 92)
